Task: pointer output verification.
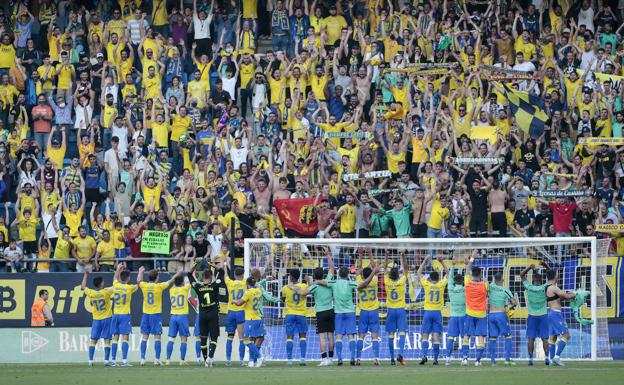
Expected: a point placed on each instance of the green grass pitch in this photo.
(596, 373)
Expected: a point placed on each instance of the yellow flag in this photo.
(489, 133)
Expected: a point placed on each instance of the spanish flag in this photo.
(528, 110)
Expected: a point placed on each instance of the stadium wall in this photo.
(70, 345)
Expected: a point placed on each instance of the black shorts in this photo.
(93, 195)
(419, 230)
(209, 324)
(325, 321)
(30, 247)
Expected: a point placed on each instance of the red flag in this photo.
(298, 215)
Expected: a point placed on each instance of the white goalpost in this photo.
(580, 262)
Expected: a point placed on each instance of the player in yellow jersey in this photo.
(369, 307)
(151, 322)
(120, 324)
(101, 308)
(434, 302)
(235, 318)
(396, 321)
(178, 322)
(254, 327)
(295, 321)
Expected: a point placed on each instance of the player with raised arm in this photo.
(101, 308)
(295, 311)
(396, 321)
(457, 320)
(151, 321)
(120, 324)
(498, 323)
(235, 318)
(557, 327)
(178, 322)
(207, 292)
(369, 306)
(324, 302)
(342, 290)
(476, 309)
(537, 321)
(434, 302)
(266, 296)
(254, 326)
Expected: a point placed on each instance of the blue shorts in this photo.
(498, 324)
(233, 319)
(101, 329)
(396, 320)
(196, 327)
(556, 323)
(178, 324)
(369, 321)
(537, 326)
(120, 325)
(457, 326)
(295, 325)
(345, 324)
(432, 322)
(151, 324)
(476, 326)
(254, 328)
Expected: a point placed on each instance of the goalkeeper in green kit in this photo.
(537, 322)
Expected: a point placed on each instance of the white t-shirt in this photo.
(47, 223)
(202, 27)
(111, 158)
(239, 156)
(230, 86)
(122, 134)
(216, 243)
(82, 122)
(112, 89)
(259, 96)
(586, 17)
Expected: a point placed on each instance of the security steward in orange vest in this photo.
(40, 310)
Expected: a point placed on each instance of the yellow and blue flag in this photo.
(529, 112)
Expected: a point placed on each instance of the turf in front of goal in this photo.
(605, 372)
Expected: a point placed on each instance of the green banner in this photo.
(155, 242)
(71, 345)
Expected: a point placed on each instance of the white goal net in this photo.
(580, 262)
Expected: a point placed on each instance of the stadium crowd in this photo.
(403, 118)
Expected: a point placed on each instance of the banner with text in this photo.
(155, 242)
(69, 345)
(66, 299)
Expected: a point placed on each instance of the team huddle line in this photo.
(478, 309)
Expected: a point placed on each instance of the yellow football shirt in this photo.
(434, 294)
(236, 290)
(252, 298)
(295, 303)
(152, 296)
(395, 292)
(100, 301)
(122, 297)
(84, 246)
(367, 296)
(179, 299)
(107, 252)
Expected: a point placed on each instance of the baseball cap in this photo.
(99, 55)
